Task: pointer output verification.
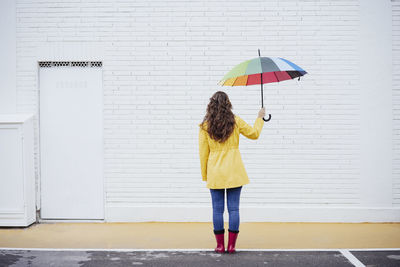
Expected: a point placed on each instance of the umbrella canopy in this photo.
(262, 70)
(273, 69)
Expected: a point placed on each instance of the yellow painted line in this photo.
(199, 235)
(197, 249)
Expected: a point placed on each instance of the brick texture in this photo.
(162, 61)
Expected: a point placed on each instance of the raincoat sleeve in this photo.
(249, 131)
(204, 152)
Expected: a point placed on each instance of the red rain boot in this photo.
(219, 236)
(232, 241)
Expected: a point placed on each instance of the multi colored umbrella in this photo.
(262, 70)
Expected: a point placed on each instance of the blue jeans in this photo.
(218, 204)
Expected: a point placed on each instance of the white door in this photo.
(71, 142)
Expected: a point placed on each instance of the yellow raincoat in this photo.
(221, 164)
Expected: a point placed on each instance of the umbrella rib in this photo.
(234, 80)
(276, 76)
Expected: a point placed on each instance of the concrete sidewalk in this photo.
(199, 235)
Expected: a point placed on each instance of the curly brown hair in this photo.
(219, 117)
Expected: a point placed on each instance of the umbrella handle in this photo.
(269, 117)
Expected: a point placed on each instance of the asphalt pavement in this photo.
(203, 258)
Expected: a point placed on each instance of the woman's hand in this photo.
(261, 113)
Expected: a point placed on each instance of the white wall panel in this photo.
(396, 100)
(8, 46)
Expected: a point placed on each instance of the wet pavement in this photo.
(340, 257)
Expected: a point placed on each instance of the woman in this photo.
(221, 163)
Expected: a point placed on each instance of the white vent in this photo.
(83, 64)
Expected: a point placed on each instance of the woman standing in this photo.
(221, 163)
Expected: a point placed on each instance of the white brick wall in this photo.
(396, 101)
(161, 62)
